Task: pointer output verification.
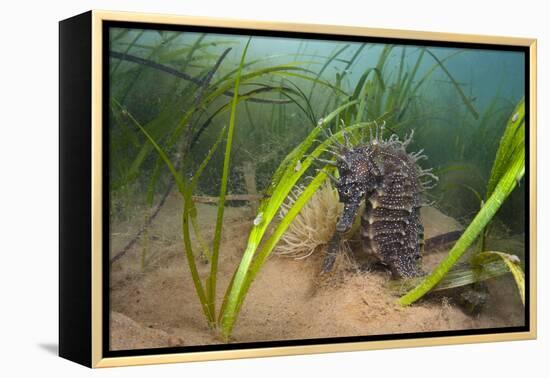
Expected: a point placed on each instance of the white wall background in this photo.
(28, 185)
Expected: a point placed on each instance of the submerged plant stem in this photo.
(211, 284)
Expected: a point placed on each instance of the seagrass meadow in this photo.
(279, 187)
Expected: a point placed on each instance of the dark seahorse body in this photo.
(391, 183)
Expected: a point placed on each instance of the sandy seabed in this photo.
(154, 304)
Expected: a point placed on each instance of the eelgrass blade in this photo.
(294, 73)
(211, 285)
(228, 315)
(401, 64)
(128, 48)
(161, 125)
(514, 135)
(220, 88)
(206, 253)
(275, 195)
(352, 61)
(361, 91)
(225, 89)
(206, 160)
(503, 189)
(308, 110)
(465, 99)
(460, 275)
(324, 67)
(512, 144)
(512, 264)
(187, 198)
(210, 317)
(248, 96)
(298, 152)
(339, 79)
(378, 88)
(404, 91)
(121, 33)
(361, 82)
(246, 272)
(141, 68)
(465, 186)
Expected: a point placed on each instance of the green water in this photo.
(457, 100)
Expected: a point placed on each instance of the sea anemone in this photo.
(315, 224)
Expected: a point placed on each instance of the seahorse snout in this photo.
(348, 215)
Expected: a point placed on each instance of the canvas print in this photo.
(278, 187)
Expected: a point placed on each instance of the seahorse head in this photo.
(359, 175)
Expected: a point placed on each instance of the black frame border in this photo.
(75, 180)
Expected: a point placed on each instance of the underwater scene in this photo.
(291, 187)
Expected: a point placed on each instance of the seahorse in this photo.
(391, 183)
